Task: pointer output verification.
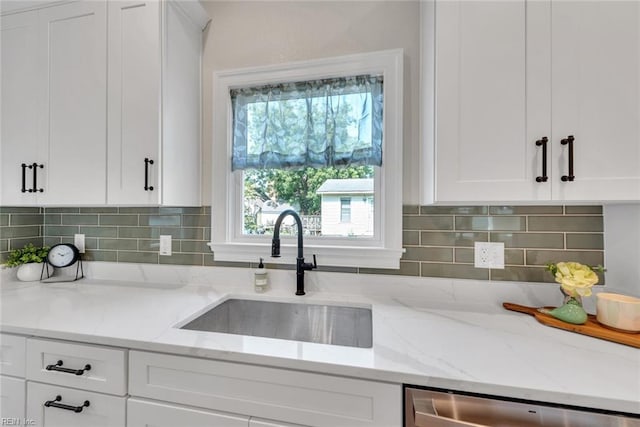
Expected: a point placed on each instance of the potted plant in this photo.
(29, 261)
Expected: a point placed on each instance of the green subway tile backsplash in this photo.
(438, 240)
(427, 222)
(483, 223)
(565, 223)
(529, 240)
(160, 220)
(34, 219)
(428, 254)
(19, 226)
(585, 241)
(524, 210)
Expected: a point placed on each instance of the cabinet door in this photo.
(143, 413)
(596, 98)
(98, 410)
(12, 398)
(485, 137)
(134, 102)
(73, 64)
(13, 350)
(19, 139)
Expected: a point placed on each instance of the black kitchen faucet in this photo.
(301, 266)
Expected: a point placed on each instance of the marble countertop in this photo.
(444, 333)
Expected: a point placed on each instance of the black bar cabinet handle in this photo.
(543, 142)
(147, 162)
(58, 367)
(24, 178)
(31, 190)
(35, 188)
(569, 140)
(54, 404)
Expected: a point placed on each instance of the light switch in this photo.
(78, 241)
(165, 245)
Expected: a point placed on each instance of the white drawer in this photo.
(106, 373)
(272, 393)
(102, 410)
(143, 413)
(12, 398)
(12, 355)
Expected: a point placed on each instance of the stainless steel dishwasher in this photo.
(442, 408)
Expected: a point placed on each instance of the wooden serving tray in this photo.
(592, 327)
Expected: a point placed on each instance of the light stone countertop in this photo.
(444, 333)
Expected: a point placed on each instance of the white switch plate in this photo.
(489, 255)
(165, 245)
(78, 241)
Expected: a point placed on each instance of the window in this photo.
(317, 137)
(345, 209)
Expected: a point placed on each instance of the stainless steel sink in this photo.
(325, 324)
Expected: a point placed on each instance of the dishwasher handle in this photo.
(425, 415)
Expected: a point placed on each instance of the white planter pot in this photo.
(30, 272)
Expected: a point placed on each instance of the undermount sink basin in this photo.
(324, 324)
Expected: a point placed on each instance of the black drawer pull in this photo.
(569, 140)
(147, 162)
(58, 367)
(543, 142)
(54, 404)
(24, 177)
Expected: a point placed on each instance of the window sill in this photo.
(335, 256)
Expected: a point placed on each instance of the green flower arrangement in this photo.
(26, 255)
(575, 281)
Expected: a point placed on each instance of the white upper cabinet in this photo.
(54, 105)
(596, 98)
(73, 70)
(505, 82)
(154, 104)
(19, 114)
(83, 104)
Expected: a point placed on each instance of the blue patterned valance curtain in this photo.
(318, 123)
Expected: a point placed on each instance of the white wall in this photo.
(622, 248)
(247, 33)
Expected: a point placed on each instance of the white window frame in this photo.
(385, 249)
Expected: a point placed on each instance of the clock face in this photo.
(63, 255)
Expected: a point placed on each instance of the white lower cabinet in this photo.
(271, 393)
(12, 355)
(12, 398)
(144, 413)
(51, 405)
(12, 382)
(47, 382)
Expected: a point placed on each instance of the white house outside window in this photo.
(345, 209)
(287, 130)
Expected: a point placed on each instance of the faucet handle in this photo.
(307, 265)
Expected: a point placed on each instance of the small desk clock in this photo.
(60, 256)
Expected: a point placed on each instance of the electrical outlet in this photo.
(165, 245)
(489, 255)
(78, 241)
